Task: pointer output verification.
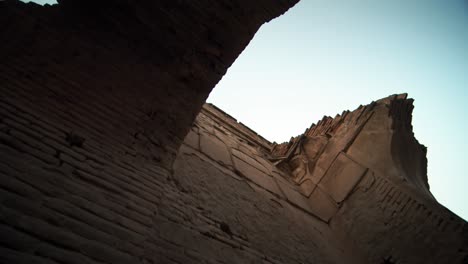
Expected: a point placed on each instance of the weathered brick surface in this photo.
(247, 208)
(141, 70)
(406, 229)
(96, 100)
(374, 170)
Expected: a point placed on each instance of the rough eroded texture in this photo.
(374, 170)
(244, 201)
(351, 189)
(132, 74)
(96, 100)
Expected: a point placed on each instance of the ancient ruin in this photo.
(109, 154)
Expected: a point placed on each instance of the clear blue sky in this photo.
(323, 57)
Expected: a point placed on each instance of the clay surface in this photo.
(109, 155)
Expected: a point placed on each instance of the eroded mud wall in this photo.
(141, 69)
(355, 202)
(95, 99)
(229, 191)
(365, 174)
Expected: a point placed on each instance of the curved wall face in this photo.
(96, 98)
(140, 70)
(103, 161)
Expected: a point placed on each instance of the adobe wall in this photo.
(102, 160)
(138, 70)
(365, 174)
(356, 204)
(96, 98)
(228, 191)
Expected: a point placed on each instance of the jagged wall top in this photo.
(378, 135)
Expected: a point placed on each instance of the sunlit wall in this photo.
(323, 57)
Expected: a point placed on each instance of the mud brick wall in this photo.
(108, 155)
(406, 228)
(357, 212)
(231, 192)
(372, 181)
(140, 70)
(95, 100)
